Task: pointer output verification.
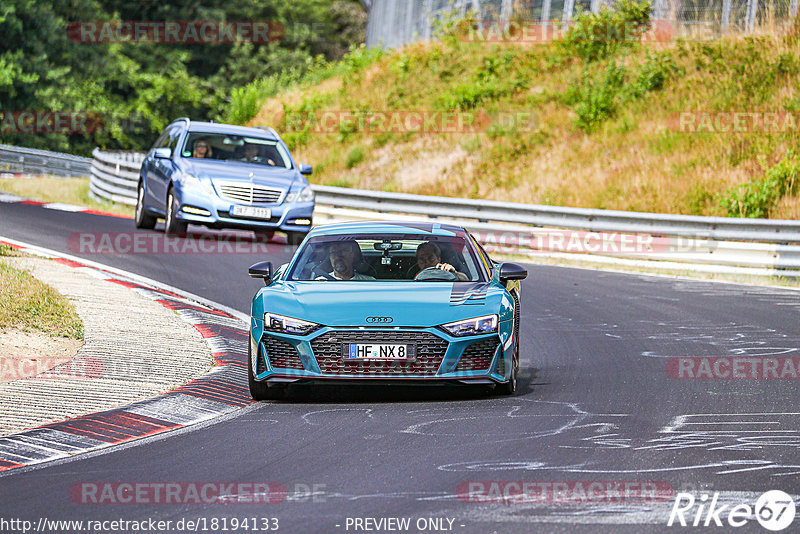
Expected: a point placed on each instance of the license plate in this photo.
(379, 351)
(251, 211)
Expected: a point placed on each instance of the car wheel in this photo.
(295, 238)
(172, 225)
(510, 387)
(260, 390)
(142, 219)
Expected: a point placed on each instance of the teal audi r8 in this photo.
(383, 302)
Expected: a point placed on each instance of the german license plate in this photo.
(252, 212)
(379, 351)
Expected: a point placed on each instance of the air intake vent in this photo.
(249, 193)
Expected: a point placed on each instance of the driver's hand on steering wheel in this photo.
(446, 267)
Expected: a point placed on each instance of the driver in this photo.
(252, 154)
(343, 256)
(429, 255)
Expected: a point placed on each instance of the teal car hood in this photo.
(337, 303)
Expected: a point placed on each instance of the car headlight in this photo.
(472, 327)
(306, 195)
(193, 182)
(288, 325)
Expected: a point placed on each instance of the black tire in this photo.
(142, 219)
(172, 225)
(295, 238)
(510, 387)
(260, 390)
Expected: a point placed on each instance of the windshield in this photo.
(386, 257)
(256, 150)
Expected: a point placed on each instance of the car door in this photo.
(161, 170)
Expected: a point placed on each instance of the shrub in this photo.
(757, 197)
(596, 36)
(595, 98)
(354, 157)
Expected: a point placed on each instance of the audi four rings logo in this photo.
(379, 320)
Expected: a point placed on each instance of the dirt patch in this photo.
(28, 354)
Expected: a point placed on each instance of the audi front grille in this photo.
(430, 350)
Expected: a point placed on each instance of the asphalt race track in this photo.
(600, 402)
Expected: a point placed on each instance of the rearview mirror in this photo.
(512, 271)
(163, 152)
(305, 168)
(261, 270)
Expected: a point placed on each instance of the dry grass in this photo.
(74, 191)
(29, 305)
(636, 159)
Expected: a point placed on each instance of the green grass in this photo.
(29, 305)
(74, 191)
(604, 131)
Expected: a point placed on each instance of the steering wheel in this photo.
(434, 274)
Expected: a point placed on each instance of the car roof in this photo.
(216, 127)
(389, 227)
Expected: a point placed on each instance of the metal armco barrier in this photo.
(115, 175)
(770, 246)
(18, 160)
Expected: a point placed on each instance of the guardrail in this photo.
(115, 176)
(766, 247)
(19, 160)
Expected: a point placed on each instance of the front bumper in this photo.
(282, 358)
(286, 217)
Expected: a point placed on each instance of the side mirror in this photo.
(512, 271)
(305, 168)
(163, 152)
(261, 270)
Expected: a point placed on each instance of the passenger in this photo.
(201, 149)
(430, 255)
(343, 256)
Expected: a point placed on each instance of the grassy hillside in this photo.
(605, 128)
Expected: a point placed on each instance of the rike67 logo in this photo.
(774, 510)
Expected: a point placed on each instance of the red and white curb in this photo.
(8, 198)
(219, 392)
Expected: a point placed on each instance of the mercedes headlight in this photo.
(288, 325)
(305, 195)
(193, 182)
(472, 327)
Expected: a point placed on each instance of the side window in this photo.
(174, 135)
(487, 261)
(161, 141)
